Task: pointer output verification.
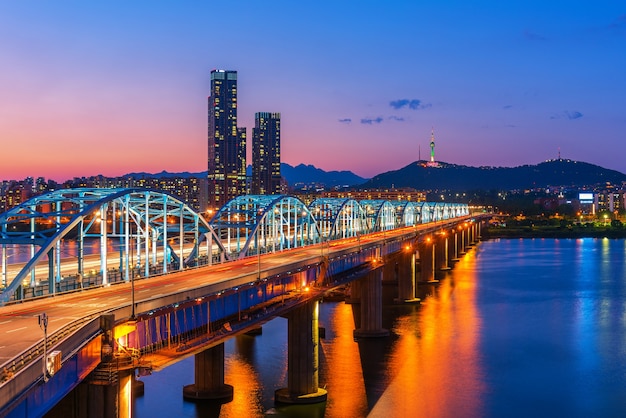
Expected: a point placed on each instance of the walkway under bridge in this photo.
(147, 232)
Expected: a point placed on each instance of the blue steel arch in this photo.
(339, 217)
(52, 217)
(408, 213)
(380, 215)
(256, 224)
(246, 225)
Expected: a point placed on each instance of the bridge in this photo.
(186, 283)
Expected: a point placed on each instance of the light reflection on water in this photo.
(519, 328)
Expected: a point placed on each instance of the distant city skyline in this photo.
(110, 88)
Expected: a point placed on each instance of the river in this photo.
(519, 328)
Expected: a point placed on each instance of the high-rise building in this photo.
(227, 142)
(266, 153)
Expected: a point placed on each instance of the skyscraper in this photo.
(266, 153)
(227, 142)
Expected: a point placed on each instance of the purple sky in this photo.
(110, 87)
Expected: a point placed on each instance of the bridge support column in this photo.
(463, 242)
(209, 377)
(441, 254)
(126, 380)
(302, 358)
(391, 270)
(427, 261)
(454, 245)
(355, 292)
(474, 230)
(372, 306)
(406, 280)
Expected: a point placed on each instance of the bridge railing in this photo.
(26, 368)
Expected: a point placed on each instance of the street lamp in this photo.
(43, 324)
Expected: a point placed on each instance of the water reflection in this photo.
(518, 328)
(437, 353)
(340, 362)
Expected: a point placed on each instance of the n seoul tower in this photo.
(432, 146)
(432, 162)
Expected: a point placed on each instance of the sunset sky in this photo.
(111, 87)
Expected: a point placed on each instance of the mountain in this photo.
(308, 174)
(454, 177)
(299, 175)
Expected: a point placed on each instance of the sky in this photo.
(112, 87)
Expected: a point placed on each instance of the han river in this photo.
(519, 328)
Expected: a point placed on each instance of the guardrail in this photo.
(25, 370)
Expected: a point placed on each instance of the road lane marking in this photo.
(16, 329)
(6, 322)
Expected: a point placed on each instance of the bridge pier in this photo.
(454, 245)
(406, 279)
(463, 246)
(427, 250)
(209, 377)
(302, 357)
(441, 253)
(355, 292)
(372, 306)
(107, 393)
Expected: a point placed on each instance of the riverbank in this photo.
(582, 231)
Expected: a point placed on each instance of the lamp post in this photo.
(43, 324)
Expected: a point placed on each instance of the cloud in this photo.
(369, 121)
(346, 120)
(531, 36)
(396, 118)
(571, 115)
(620, 22)
(414, 104)
(507, 107)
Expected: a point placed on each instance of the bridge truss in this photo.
(151, 232)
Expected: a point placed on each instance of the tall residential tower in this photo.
(227, 142)
(266, 153)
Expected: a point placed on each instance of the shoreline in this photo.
(612, 233)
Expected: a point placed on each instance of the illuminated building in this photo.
(266, 153)
(227, 142)
(405, 194)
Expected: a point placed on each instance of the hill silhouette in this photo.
(453, 177)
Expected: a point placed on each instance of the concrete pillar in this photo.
(427, 250)
(372, 306)
(441, 253)
(463, 241)
(87, 400)
(302, 357)
(209, 377)
(126, 380)
(391, 269)
(406, 280)
(453, 246)
(355, 292)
